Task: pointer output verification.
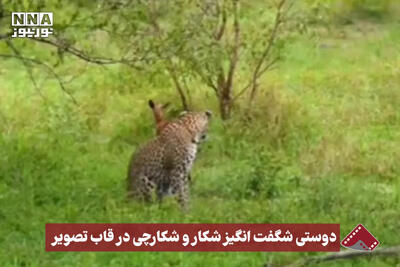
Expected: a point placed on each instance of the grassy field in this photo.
(322, 147)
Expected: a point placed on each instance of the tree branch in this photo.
(5, 36)
(27, 66)
(65, 47)
(83, 55)
(259, 74)
(207, 80)
(258, 71)
(221, 30)
(235, 54)
(260, 67)
(178, 86)
(47, 67)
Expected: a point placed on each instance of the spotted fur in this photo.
(163, 164)
(160, 120)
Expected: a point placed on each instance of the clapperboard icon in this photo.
(32, 19)
(360, 239)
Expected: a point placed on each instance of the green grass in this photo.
(322, 147)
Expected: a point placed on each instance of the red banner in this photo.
(192, 237)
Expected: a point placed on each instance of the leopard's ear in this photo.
(151, 104)
(208, 113)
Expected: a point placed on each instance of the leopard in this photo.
(162, 165)
(160, 119)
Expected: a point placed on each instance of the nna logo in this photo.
(32, 19)
(32, 24)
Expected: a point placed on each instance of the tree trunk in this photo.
(224, 110)
(225, 102)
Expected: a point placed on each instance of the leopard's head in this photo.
(197, 124)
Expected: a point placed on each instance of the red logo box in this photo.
(360, 239)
